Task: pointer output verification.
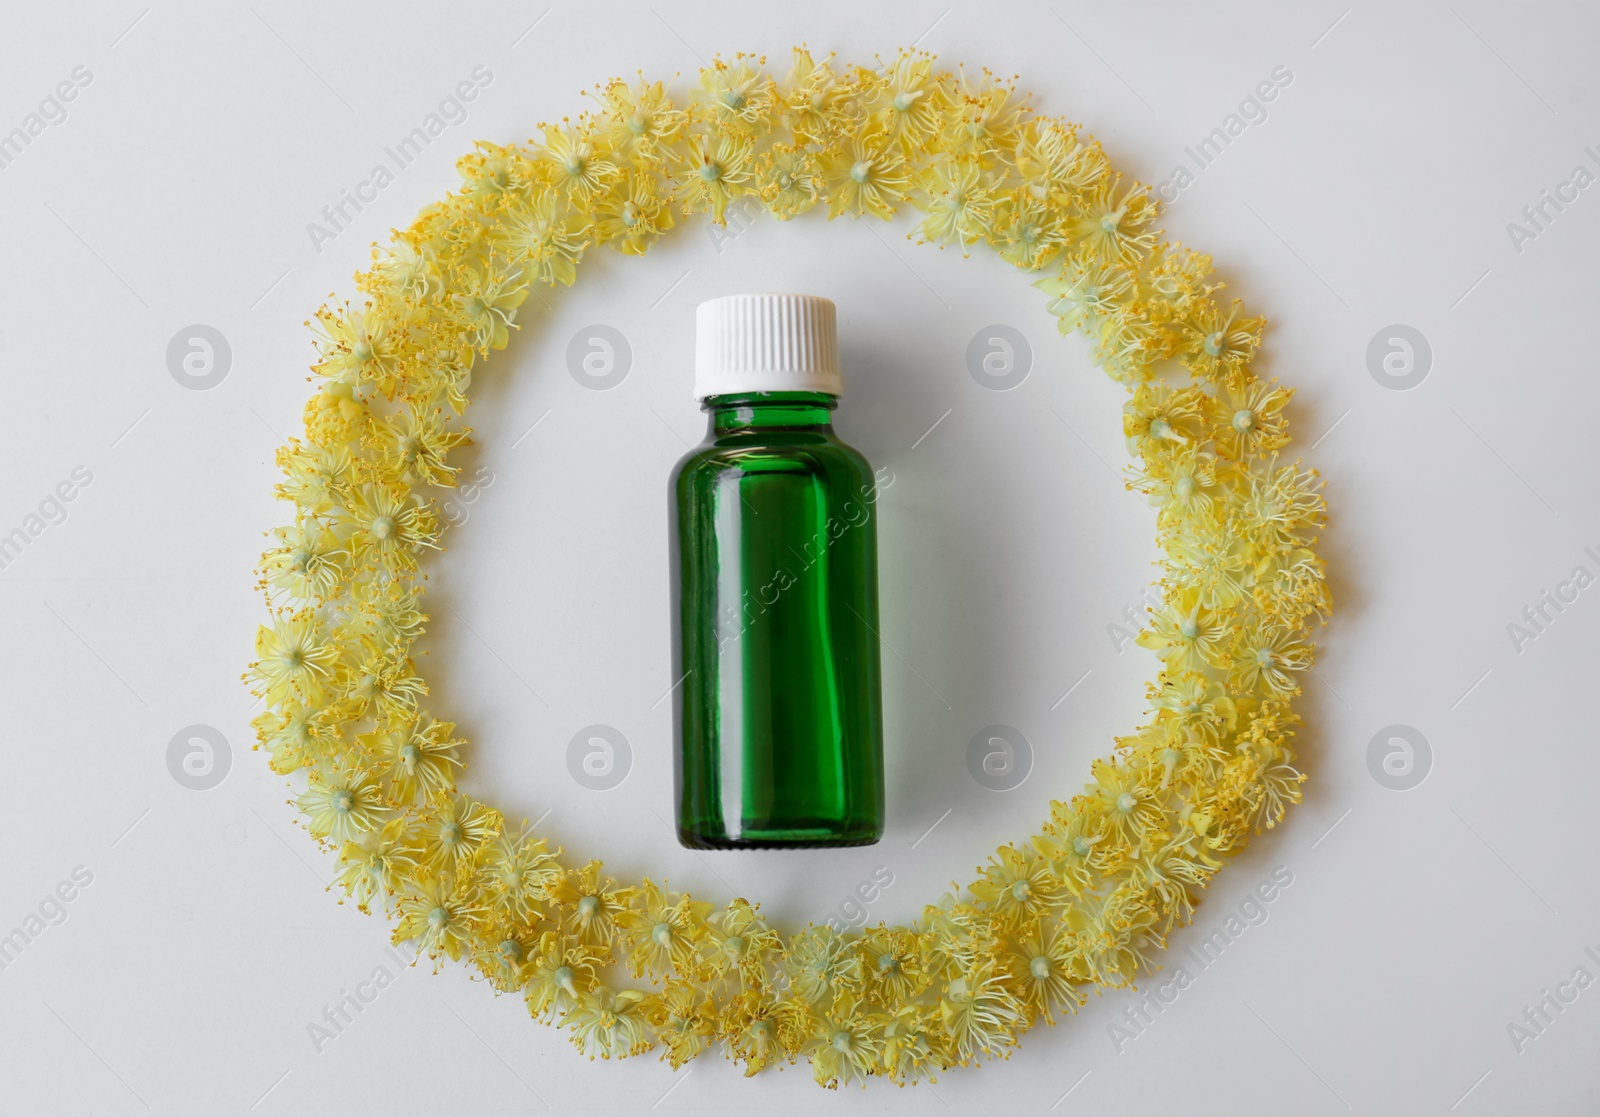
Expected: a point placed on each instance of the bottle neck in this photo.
(752, 411)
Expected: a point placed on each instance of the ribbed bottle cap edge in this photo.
(766, 342)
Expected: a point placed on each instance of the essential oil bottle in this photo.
(777, 711)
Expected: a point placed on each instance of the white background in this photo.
(178, 191)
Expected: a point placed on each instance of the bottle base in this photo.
(779, 839)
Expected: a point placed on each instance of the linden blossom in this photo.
(983, 965)
(451, 112)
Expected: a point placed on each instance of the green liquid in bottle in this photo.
(778, 711)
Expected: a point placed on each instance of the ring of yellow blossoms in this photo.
(1086, 901)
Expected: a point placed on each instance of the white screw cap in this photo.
(766, 343)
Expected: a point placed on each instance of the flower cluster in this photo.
(1086, 901)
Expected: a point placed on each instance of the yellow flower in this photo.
(1053, 164)
(633, 214)
(1170, 872)
(1180, 485)
(517, 867)
(415, 444)
(1045, 964)
(981, 118)
(579, 168)
(454, 833)
(759, 1029)
(1292, 584)
(1196, 703)
(343, 803)
(448, 373)
(418, 760)
(295, 735)
(813, 100)
(715, 168)
(823, 964)
(410, 273)
(308, 564)
(1218, 346)
(356, 345)
(336, 413)
(1187, 636)
(1173, 282)
(1283, 506)
(953, 935)
(865, 173)
(1026, 232)
(1120, 935)
(1157, 418)
(638, 120)
(384, 683)
(294, 658)
(1185, 757)
(958, 201)
(980, 1012)
(371, 865)
(502, 953)
(737, 940)
(1212, 563)
(685, 1020)
(1074, 841)
(386, 612)
(488, 303)
(1018, 885)
(736, 96)
(1084, 292)
(914, 1048)
(663, 931)
(1127, 343)
(1268, 656)
(441, 913)
(845, 1045)
(892, 965)
(493, 170)
(906, 98)
(559, 972)
(590, 903)
(1115, 227)
(1249, 418)
(1278, 786)
(545, 239)
(316, 477)
(612, 1025)
(789, 180)
(386, 526)
(1129, 808)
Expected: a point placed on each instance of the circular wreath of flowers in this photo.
(626, 967)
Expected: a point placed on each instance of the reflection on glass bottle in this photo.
(778, 711)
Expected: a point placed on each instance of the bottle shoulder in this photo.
(818, 453)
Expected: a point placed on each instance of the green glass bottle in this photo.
(777, 710)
